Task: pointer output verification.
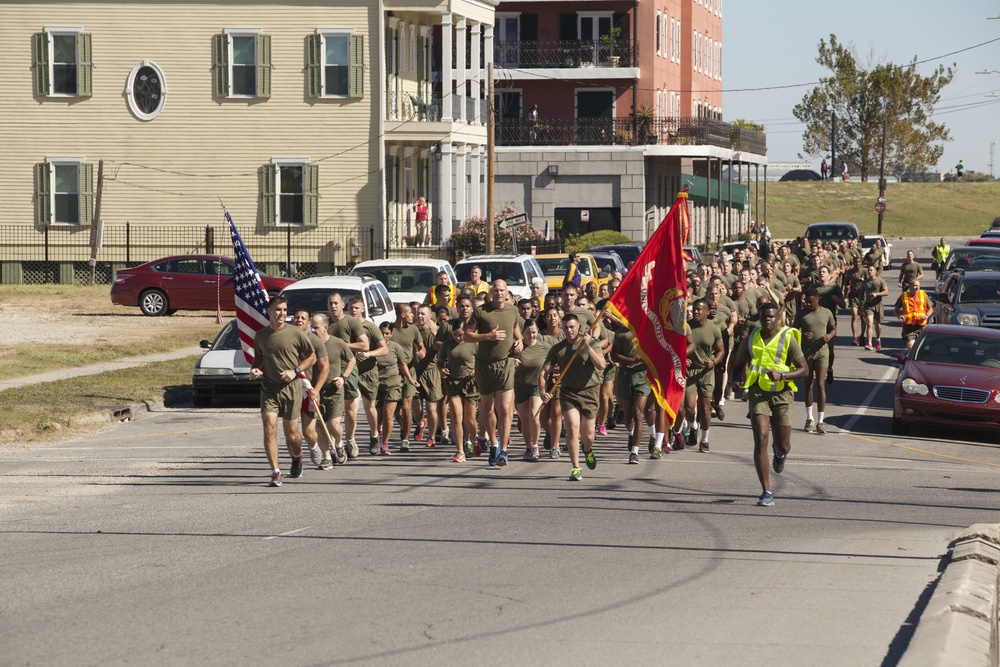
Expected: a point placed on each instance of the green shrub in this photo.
(470, 239)
(603, 237)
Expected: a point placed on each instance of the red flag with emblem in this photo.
(652, 302)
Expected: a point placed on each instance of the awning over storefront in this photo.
(699, 192)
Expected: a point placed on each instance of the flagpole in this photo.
(576, 353)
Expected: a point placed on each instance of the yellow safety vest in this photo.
(481, 288)
(915, 309)
(452, 293)
(941, 253)
(772, 355)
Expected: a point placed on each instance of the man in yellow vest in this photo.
(434, 297)
(913, 309)
(771, 357)
(940, 255)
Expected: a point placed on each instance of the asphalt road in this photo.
(158, 542)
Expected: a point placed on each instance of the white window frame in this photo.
(281, 163)
(338, 32)
(51, 31)
(130, 93)
(242, 32)
(54, 162)
(659, 31)
(597, 16)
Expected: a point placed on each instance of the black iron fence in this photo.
(566, 54)
(628, 131)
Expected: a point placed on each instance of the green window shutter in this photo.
(421, 178)
(310, 216)
(421, 60)
(263, 66)
(84, 65)
(357, 66)
(314, 65)
(40, 55)
(220, 64)
(267, 177)
(43, 194)
(390, 180)
(86, 194)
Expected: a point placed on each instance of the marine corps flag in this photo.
(652, 302)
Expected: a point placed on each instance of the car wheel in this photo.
(899, 427)
(153, 302)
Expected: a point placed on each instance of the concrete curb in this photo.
(94, 369)
(959, 626)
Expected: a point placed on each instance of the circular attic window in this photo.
(146, 90)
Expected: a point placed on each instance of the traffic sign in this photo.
(513, 221)
(880, 206)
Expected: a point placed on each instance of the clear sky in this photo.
(774, 43)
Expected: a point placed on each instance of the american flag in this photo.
(251, 297)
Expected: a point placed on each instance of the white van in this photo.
(406, 279)
(517, 270)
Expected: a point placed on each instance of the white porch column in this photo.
(461, 196)
(476, 74)
(445, 210)
(447, 74)
(461, 73)
(487, 47)
(477, 190)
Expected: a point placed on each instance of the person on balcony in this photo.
(421, 216)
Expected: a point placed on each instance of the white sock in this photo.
(653, 433)
(276, 470)
(809, 412)
(704, 435)
(658, 441)
(633, 450)
(821, 416)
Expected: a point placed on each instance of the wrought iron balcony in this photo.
(567, 54)
(408, 107)
(627, 131)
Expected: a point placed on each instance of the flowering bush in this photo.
(470, 239)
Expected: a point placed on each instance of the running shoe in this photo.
(419, 433)
(296, 470)
(315, 454)
(430, 443)
(325, 464)
(868, 346)
(655, 454)
(821, 428)
(878, 343)
(591, 459)
(678, 441)
(352, 449)
(703, 446)
(534, 454)
(612, 423)
(404, 446)
(854, 342)
(494, 453)
(458, 458)
(720, 413)
(445, 438)
(469, 448)
(341, 454)
(633, 458)
(778, 462)
(527, 453)
(810, 425)
(575, 475)
(602, 430)
(553, 452)
(766, 499)
(501, 458)
(373, 448)
(384, 450)
(275, 479)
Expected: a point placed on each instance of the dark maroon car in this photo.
(951, 377)
(183, 282)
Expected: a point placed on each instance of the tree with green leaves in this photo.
(867, 97)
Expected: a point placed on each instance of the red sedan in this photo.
(950, 378)
(183, 282)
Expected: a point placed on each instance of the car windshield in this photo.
(402, 278)
(966, 349)
(556, 266)
(314, 299)
(961, 259)
(985, 263)
(228, 338)
(830, 233)
(510, 272)
(980, 291)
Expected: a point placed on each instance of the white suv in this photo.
(406, 279)
(517, 270)
(311, 294)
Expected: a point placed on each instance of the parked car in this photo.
(516, 270)
(609, 262)
(970, 298)
(695, 253)
(988, 241)
(832, 231)
(311, 294)
(183, 282)
(732, 246)
(406, 279)
(950, 377)
(555, 266)
(868, 240)
(223, 371)
(960, 259)
(629, 252)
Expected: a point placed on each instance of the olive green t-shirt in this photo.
(388, 366)
(909, 271)
(374, 338)
(828, 296)
(339, 355)
(581, 374)
(348, 329)
(705, 338)
(624, 344)
(532, 359)
(320, 349)
(408, 338)
(487, 318)
(427, 337)
(586, 318)
(871, 287)
(458, 358)
(817, 322)
(281, 350)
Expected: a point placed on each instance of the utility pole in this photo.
(881, 173)
(491, 241)
(94, 231)
(993, 146)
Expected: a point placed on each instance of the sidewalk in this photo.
(130, 362)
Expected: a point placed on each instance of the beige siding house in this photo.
(281, 110)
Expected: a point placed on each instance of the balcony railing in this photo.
(409, 107)
(627, 131)
(566, 54)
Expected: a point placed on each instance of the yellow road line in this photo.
(923, 451)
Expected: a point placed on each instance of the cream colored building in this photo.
(307, 119)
